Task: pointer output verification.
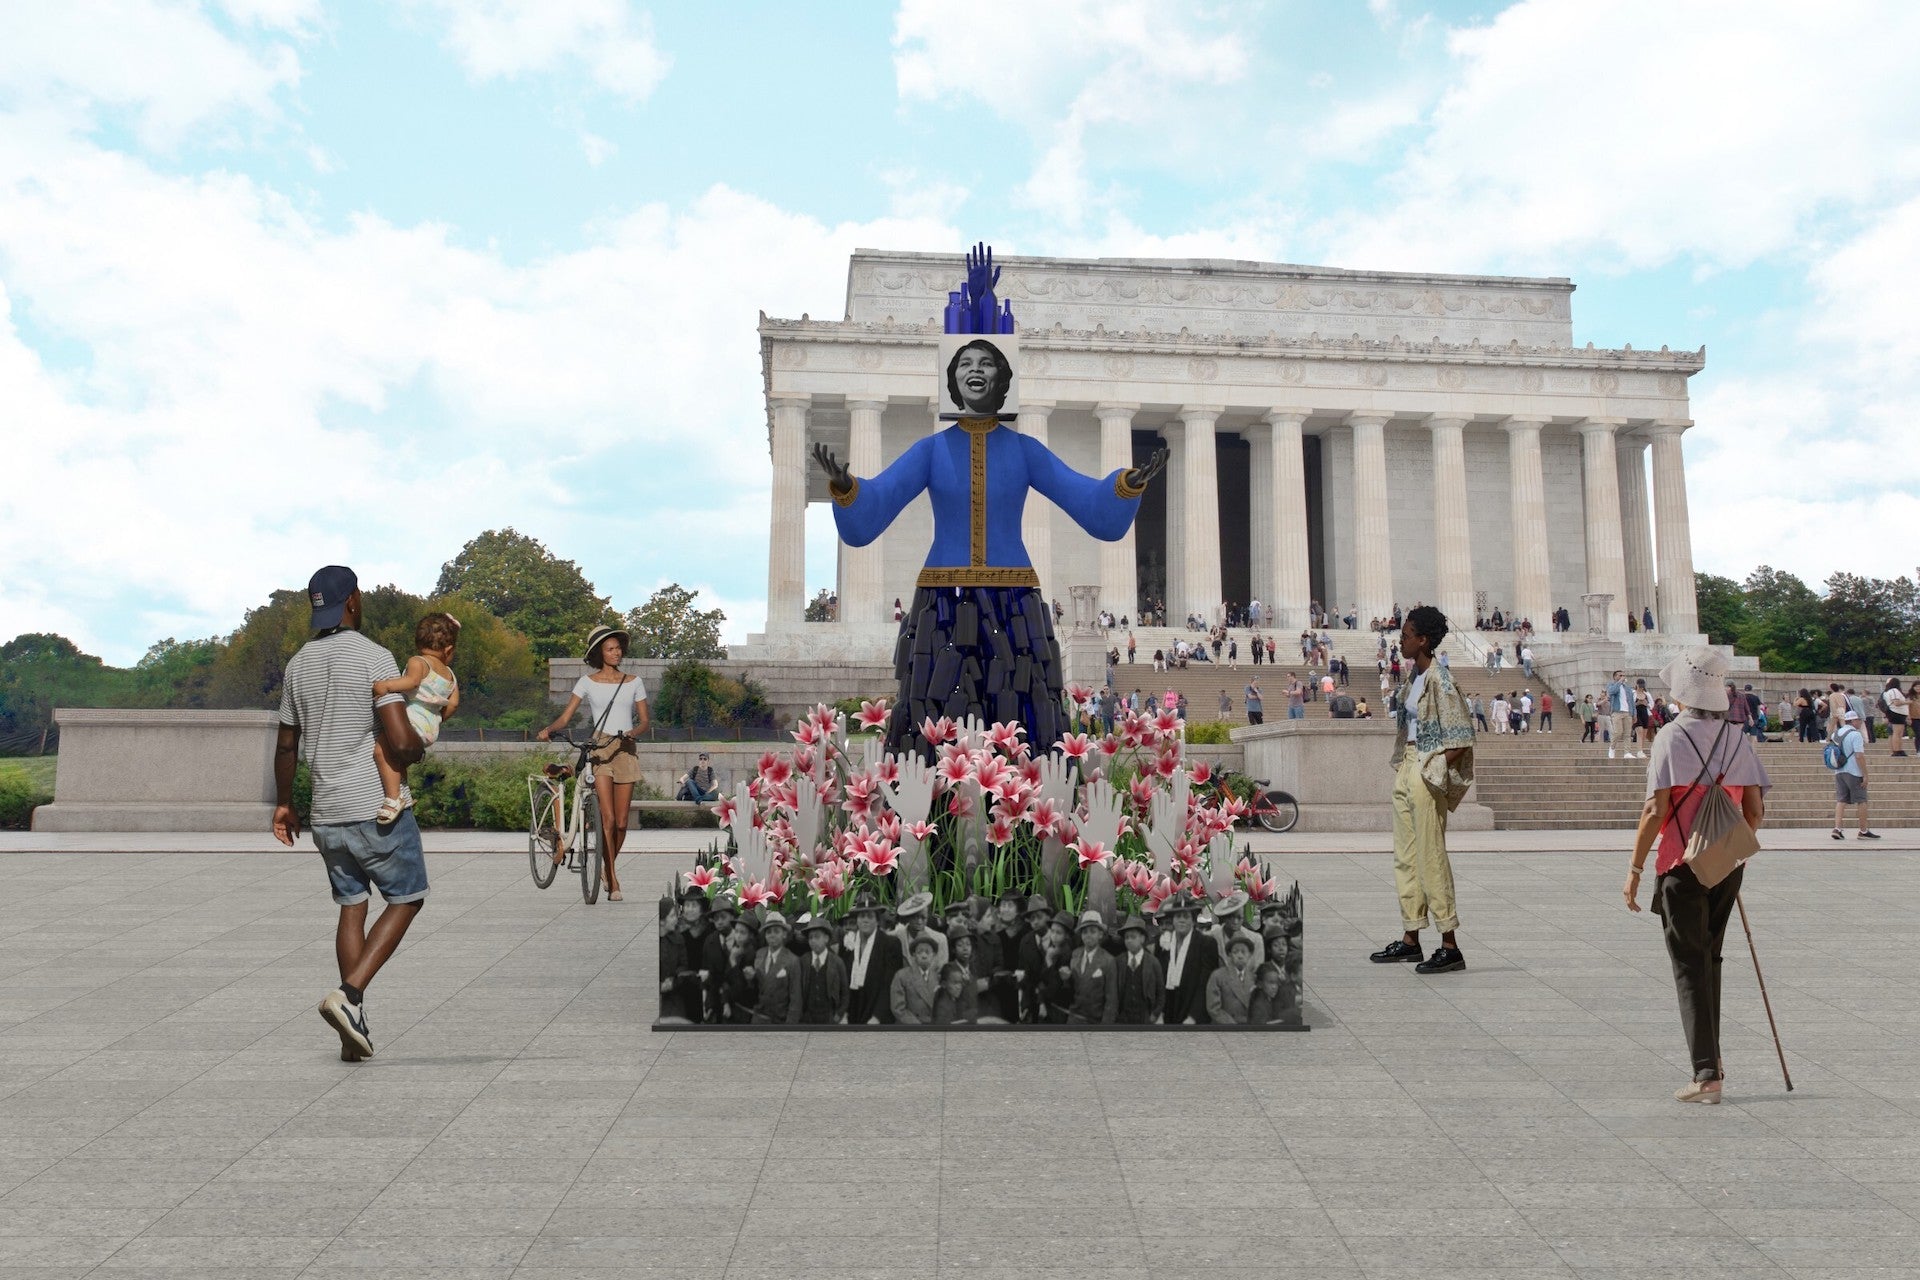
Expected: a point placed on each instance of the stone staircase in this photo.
(1539, 781)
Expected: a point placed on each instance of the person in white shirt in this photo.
(1500, 711)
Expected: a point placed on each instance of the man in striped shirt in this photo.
(328, 719)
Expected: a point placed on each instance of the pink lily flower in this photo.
(1074, 746)
(880, 857)
(873, 715)
(1090, 852)
(1202, 772)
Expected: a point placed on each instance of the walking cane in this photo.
(1771, 1025)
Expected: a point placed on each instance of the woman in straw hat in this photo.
(1694, 918)
(617, 705)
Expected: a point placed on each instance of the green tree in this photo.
(500, 679)
(1723, 607)
(669, 626)
(692, 694)
(515, 578)
(1783, 627)
(177, 673)
(820, 608)
(1871, 625)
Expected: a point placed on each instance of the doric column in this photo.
(1260, 499)
(1606, 554)
(863, 569)
(787, 527)
(1119, 573)
(1036, 520)
(1372, 536)
(1174, 553)
(1452, 544)
(1636, 531)
(1527, 487)
(1291, 584)
(1200, 478)
(1677, 611)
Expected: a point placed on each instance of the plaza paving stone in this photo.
(172, 1106)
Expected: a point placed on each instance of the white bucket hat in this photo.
(1698, 679)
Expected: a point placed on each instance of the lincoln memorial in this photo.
(1360, 438)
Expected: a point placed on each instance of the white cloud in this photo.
(1066, 71)
(501, 39)
(169, 64)
(1637, 132)
(261, 393)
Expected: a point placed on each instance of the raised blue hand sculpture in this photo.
(979, 638)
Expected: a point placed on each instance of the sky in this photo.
(289, 282)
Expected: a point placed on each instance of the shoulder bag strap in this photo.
(1673, 812)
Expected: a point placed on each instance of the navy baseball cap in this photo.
(327, 591)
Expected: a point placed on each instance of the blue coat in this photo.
(978, 528)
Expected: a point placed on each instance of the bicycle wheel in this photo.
(541, 838)
(590, 844)
(1279, 811)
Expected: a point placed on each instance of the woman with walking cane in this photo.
(1695, 751)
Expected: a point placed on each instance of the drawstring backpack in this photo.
(1721, 841)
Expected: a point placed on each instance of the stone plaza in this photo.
(1359, 438)
(171, 1106)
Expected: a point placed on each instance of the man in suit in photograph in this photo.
(823, 975)
(1191, 959)
(1143, 994)
(777, 974)
(873, 956)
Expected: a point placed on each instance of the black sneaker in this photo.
(349, 1021)
(1838, 834)
(1868, 835)
(1444, 960)
(1398, 949)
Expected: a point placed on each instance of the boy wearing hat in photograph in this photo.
(777, 974)
(912, 915)
(873, 957)
(1230, 988)
(1142, 984)
(955, 1002)
(1031, 961)
(823, 975)
(963, 949)
(735, 986)
(917, 986)
(1003, 993)
(1191, 958)
(673, 963)
(1096, 974)
(1230, 921)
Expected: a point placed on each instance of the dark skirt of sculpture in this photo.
(986, 652)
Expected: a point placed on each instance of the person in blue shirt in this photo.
(1620, 713)
(978, 638)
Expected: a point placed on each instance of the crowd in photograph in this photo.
(1017, 960)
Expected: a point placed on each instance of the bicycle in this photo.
(1272, 808)
(571, 826)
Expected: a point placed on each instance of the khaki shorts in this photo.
(621, 767)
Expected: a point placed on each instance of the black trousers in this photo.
(1694, 921)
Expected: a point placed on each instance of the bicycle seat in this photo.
(559, 772)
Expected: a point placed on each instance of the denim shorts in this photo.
(361, 856)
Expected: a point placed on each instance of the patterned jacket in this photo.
(1442, 723)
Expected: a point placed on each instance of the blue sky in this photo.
(289, 281)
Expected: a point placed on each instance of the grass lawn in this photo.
(37, 770)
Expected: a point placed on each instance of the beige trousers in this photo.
(1421, 870)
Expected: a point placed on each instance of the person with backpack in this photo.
(1696, 752)
(1845, 754)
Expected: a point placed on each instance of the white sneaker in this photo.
(1609, 753)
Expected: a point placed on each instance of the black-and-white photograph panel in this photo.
(979, 376)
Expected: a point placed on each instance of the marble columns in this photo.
(1606, 552)
(1372, 540)
(862, 568)
(1678, 611)
(1176, 532)
(1261, 497)
(787, 550)
(1452, 544)
(1636, 532)
(1036, 518)
(1291, 584)
(1527, 491)
(1119, 583)
(1200, 479)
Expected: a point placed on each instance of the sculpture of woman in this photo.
(978, 638)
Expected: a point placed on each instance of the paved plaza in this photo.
(171, 1105)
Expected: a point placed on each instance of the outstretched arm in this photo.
(1104, 507)
(862, 509)
(408, 680)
